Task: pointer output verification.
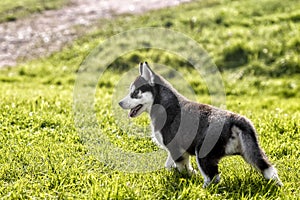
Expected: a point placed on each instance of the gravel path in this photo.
(41, 34)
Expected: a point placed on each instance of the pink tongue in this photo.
(131, 113)
(134, 110)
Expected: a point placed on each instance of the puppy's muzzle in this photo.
(121, 104)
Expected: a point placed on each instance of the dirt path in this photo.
(41, 34)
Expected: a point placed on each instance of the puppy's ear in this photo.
(141, 68)
(147, 73)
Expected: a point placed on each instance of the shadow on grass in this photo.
(176, 183)
(245, 188)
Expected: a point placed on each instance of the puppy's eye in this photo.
(135, 94)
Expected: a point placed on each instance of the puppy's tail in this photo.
(254, 155)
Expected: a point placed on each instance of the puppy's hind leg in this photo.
(209, 169)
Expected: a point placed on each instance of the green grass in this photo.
(11, 10)
(44, 156)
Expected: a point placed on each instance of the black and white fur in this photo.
(168, 109)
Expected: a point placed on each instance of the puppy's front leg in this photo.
(183, 164)
(170, 162)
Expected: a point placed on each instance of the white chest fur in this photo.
(157, 137)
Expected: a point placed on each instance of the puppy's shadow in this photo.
(176, 182)
(248, 187)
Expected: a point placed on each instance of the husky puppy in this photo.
(184, 128)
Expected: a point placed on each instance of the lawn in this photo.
(255, 45)
(11, 10)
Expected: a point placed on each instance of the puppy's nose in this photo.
(121, 104)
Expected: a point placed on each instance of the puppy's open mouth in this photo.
(133, 112)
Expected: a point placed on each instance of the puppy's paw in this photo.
(208, 182)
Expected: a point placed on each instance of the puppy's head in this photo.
(140, 97)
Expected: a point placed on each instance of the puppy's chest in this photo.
(157, 137)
